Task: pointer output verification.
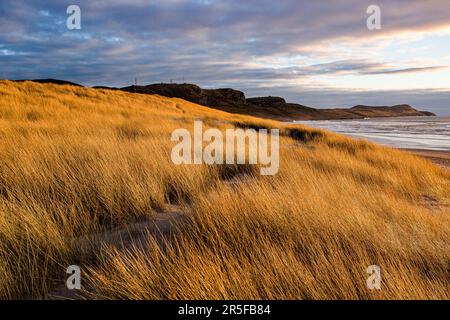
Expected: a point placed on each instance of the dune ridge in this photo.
(276, 108)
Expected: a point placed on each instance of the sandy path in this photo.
(91, 248)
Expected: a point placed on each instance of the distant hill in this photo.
(361, 112)
(277, 108)
(234, 101)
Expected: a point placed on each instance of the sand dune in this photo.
(91, 169)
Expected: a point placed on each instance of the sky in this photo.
(317, 53)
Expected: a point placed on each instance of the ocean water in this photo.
(430, 133)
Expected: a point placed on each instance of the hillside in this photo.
(86, 178)
(275, 108)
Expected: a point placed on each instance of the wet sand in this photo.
(441, 158)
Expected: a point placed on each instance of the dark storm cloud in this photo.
(209, 42)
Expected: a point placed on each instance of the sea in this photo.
(428, 133)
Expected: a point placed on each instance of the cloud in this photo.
(407, 70)
(252, 43)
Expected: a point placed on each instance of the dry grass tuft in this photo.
(77, 161)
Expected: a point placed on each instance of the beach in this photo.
(412, 133)
(428, 137)
(439, 157)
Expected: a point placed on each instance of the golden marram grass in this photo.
(77, 161)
